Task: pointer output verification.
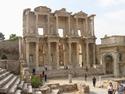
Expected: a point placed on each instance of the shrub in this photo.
(36, 81)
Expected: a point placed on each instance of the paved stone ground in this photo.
(81, 80)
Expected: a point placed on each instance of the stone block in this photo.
(53, 86)
(68, 88)
(84, 89)
(45, 90)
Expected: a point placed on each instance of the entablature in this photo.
(42, 10)
(62, 12)
(80, 14)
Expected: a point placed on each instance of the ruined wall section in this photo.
(29, 22)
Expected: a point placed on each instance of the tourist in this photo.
(34, 71)
(43, 73)
(82, 64)
(41, 77)
(46, 68)
(45, 76)
(86, 69)
(110, 88)
(85, 77)
(94, 81)
(120, 89)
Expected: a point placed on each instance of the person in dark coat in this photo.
(45, 76)
(94, 81)
(34, 71)
(85, 77)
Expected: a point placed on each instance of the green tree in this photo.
(13, 37)
(2, 36)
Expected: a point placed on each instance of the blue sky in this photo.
(109, 14)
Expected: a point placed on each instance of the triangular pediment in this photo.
(80, 14)
(43, 9)
(62, 12)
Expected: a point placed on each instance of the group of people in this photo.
(119, 89)
(43, 74)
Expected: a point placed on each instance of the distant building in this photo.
(111, 54)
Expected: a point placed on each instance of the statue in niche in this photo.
(120, 57)
(51, 57)
(31, 59)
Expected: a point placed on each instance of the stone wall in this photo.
(10, 65)
(113, 40)
(10, 49)
(75, 72)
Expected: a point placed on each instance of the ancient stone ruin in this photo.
(58, 40)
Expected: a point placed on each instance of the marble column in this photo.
(86, 26)
(27, 52)
(92, 25)
(94, 53)
(37, 54)
(57, 55)
(20, 47)
(116, 64)
(77, 55)
(83, 53)
(102, 62)
(49, 54)
(66, 49)
(36, 23)
(69, 25)
(87, 54)
(76, 33)
(27, 24)
(48, 32)
(57, 25)
(70, 54)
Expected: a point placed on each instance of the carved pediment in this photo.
(80, 14)
(62, 12)
(42, 9)
(26, 11)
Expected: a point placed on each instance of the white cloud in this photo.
(116, 15)
(108, 21)
(110, 2)
(111, 23)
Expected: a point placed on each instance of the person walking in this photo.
(85, 76)
(120, 89)
(110, 88)
(94, 81)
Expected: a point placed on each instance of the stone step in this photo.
(30, 89)
(25, 87)
(37, 92)
(6, 87)
(55, 91)
(2, 71)
(18, 91)
(14, 87)
(5, 80)
(4, 75)
(21, 84)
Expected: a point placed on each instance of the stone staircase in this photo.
(75, 72)
(11, 84)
